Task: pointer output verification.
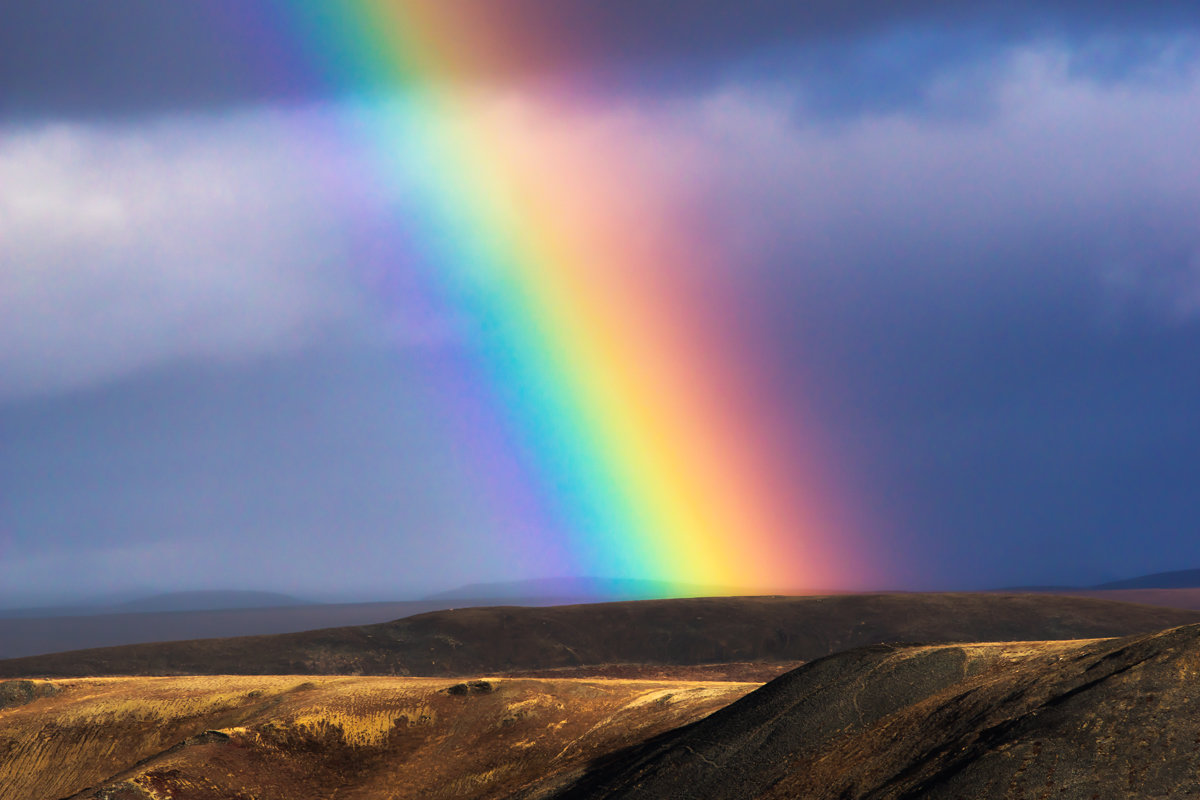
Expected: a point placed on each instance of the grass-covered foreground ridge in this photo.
(303, 736)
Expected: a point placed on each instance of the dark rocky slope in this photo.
(1100, 720)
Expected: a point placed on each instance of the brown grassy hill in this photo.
(1106, 720)
(653, 632)
(282, 738)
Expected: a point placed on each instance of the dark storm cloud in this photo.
(75, 57)
(79, 57)
(999, 340)
(1005, 432)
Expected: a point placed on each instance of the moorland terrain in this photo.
(184, 616)
(283, 738)
(998, 695)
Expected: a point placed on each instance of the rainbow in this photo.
(595, 376)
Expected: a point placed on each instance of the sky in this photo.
(952, 247)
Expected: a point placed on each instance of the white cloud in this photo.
(127, 247)
(1056, 156)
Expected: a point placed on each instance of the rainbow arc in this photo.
(641, 437)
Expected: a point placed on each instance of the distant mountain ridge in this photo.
(208, 600)
(199, 600)
(1176, 579)
(32, 634)
(583, 588)
(600, 589)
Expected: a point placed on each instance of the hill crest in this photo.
(684, 632)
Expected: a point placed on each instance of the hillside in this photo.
(31, 632)
(655, 632)
(281, 738)
(1109, 719)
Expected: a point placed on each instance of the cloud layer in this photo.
(988, 297)
(234, 235)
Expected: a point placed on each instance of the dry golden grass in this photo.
(294, 736)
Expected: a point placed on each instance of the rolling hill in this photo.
(674, 633)
(670, 708)
(1177, 579)
(30, 632)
